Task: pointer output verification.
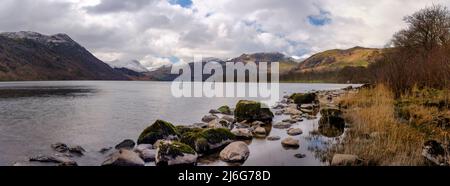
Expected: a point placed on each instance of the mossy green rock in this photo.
(158, 130)
(225, 110)
(300, 98)
(205, 140)
(174, 153)
(252, 111)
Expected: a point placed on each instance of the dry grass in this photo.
(375, 134)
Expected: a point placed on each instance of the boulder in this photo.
(235, 152)
(242, 133)
(292, 111)
(148, 155)
(282, 125)
(126, 144)
(219, 123)
(307, 98)
(123, 157)
(330, 112)
(294, 131)
(434, 152)
(228, 118)
(346, 160)
(209, 118)
(337, 122)
(174, 153)
(252, 111)
(261, 131)
(77, 150)
(158, 130)
(206, 140)
(225, 110)
(291, 142)
(214, 111)
(60, 147)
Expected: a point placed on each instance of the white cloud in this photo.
(153, 31)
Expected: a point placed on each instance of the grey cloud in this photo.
(111, 6)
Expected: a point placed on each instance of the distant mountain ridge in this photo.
(34, 56)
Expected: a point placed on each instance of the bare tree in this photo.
(427, 29)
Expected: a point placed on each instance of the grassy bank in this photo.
(388, 131)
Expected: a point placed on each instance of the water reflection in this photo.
(39, 91)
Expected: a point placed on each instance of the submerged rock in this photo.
(291, 142)
(123, 157)
(346, 160)
(300, 156)
(252, 111)
(205, 140)
(235, 152)
(174, 153)
(126, 144)
(158, 130)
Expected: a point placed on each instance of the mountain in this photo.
(133, 65)
(337, 59)
(34, 56)
(286, 65)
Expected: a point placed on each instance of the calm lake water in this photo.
(98, 114)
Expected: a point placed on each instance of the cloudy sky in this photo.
(157, 32)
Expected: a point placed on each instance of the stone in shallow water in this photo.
(77, 150)
(300, 156)
(123, 157)
(294, 131)
(126, 144)
(60, 147)
(282, 125)
(242, 133)
(273, 138)
(291, 142)
(260, 131)
(235, 152)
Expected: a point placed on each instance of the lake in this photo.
(98, 114)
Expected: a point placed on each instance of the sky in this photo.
(160, 32)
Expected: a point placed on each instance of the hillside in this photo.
(34, 56)
(337, 59)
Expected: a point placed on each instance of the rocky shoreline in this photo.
(224, 130)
